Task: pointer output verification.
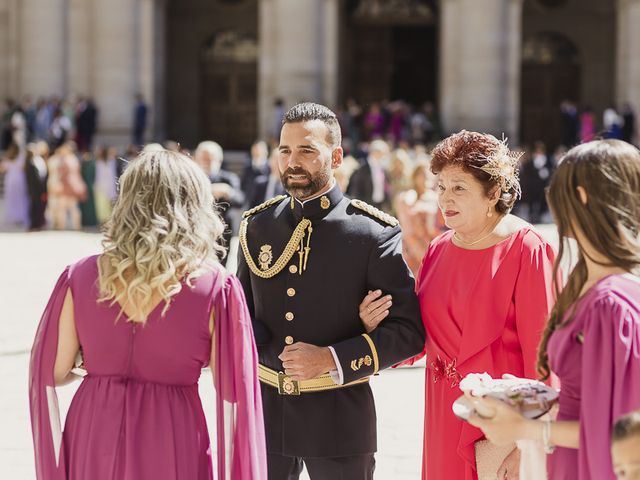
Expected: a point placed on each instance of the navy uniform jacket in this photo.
(352, 252)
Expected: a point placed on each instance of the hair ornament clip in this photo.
(502, 166)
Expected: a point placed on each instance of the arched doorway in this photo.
(391, 51)
(229, 88)
(550, 76)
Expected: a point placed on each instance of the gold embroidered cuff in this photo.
(374, 352)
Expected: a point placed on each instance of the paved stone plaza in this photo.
(31, 263)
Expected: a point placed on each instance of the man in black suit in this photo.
(225, 186)
(257, 167)
(266, 187)
(306, 262)
(369, 183)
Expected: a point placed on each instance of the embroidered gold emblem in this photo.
(368, 361)
(265, 257)
(324, 202)
(354, 365)
(287, 386)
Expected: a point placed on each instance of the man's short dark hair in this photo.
(626, 426)
(304, 112)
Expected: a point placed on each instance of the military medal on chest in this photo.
(265, 257)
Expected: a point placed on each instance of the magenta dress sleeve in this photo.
(241, 440)
(610, 381)
(43, 401)
(534, 298)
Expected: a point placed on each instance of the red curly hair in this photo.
(469, 150)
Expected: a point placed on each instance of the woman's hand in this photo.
(505, 427)
(373, 309)
(510, 467)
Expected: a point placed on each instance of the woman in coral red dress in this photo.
(485, 289)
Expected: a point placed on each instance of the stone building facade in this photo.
(213, 68)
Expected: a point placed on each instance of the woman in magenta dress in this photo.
(147, 315)
(485, 291)
(592, 340)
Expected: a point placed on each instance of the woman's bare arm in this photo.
(68, 344)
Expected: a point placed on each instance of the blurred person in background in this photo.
(16, 194)
(370, 183)
(536, 173)
(344, 172)
(374, 122)
(105, 183)
(587, 125)
(88, 172)
(267, 186)
(417, 211)
(400, 167)
(140, 111)
(628, 132)
(86, 123)
(36, 174)
(570, 123)
(258, 166)
(6, 132)
(612, 123)
(60, 129)
(66, 187)
(225, 186)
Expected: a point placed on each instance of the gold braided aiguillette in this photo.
(287, 253)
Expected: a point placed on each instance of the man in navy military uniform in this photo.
(307, 261)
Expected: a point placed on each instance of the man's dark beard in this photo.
(316, 182)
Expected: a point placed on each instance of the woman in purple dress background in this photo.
(592, 339)
(148, 314)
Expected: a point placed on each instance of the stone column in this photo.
(43, 58)
(298, 59)
(9, 48)
(480, 66)
(151, 78)
(116, 67)
(80, 47)
(628, 54)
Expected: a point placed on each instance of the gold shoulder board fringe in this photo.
(263, 206)
(374, 212)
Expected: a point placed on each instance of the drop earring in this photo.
(489, 212)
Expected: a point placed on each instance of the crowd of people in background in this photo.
(54, 175)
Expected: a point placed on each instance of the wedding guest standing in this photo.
(485, 291)
(148, 314)
(592, 339)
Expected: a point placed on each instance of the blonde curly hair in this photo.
(164, 228)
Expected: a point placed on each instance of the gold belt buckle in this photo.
(287, 386)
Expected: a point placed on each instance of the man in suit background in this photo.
(225, 185)
(370, 183)
(258, 166)
(267, 186)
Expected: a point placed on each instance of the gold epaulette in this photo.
(263, 206)
(374, 212)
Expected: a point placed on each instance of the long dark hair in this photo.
(609, 171)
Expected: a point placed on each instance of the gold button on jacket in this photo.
(289, 316)
(291, 292)
(288, 340)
